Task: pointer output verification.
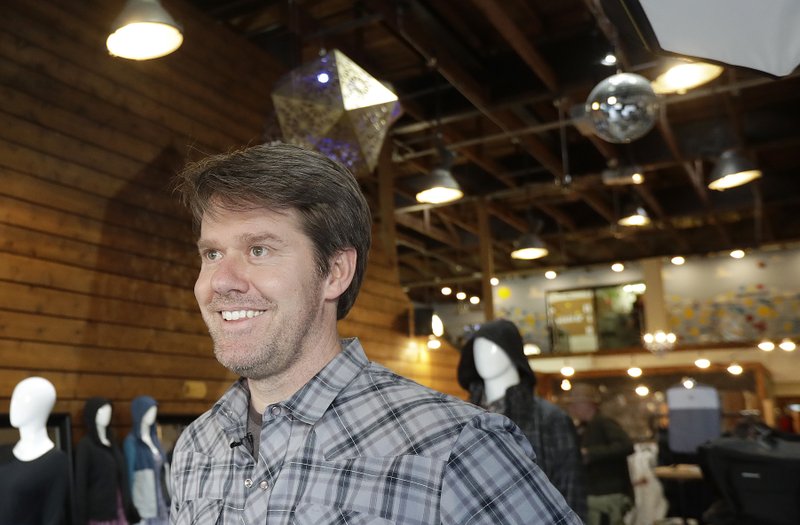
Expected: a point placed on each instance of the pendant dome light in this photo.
(732, 169)
(143, 31)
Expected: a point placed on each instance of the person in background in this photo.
(313, 432)
(102, 492)
(605, 448)
(494, 369)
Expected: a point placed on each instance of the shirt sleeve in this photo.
(491, 478)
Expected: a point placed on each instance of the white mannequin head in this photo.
(31, 402)
(495, 368)
(149, 417)
(103, 416)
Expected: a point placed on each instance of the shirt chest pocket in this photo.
(368, 490)
(309, 514)
(199, 512)
(201, 495)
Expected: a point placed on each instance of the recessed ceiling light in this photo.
(677, 260)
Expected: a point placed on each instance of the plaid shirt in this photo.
(359, 444)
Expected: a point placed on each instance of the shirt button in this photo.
(263, 485)
(275, 410)
(248, 483)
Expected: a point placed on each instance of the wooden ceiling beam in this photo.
(473, 90)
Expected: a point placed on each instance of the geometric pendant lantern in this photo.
(335, 107)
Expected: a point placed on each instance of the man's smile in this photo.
(235, 315)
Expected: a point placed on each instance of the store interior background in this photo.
(97, 260)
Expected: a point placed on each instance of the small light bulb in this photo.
(642, 390)
(737, 254)
(767, 346)
(566, 384)
(550, 275)
(617, 267)
(461, 296)
(702, 363)
(474, 299)
(494, 281)
(735, 369)
(634, 371)
(677, 260)
(787, 345)
(447, 290)
(567, 371)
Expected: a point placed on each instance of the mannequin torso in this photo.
(495, 368)
(31, 403)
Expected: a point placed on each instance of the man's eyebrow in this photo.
(247, 239)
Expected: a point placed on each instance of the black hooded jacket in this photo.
(100, 473)
(548, 428)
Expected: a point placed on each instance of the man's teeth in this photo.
(240, 314)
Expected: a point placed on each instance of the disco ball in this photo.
(622, 108)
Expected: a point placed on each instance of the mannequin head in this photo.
(491, 361)
(103, 416)
(31, 402)
(149, 416)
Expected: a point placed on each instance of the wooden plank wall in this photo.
(97, 261)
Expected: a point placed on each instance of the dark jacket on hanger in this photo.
(100, 473)
(548, 428)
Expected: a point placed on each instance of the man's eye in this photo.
(211, 255)
(258, 251)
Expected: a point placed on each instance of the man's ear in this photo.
(342, 270)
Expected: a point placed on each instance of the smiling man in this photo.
(313, 432)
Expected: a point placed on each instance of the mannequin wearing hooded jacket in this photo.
(495, 371)
(34, 475)
(146, 461)
(102, 493)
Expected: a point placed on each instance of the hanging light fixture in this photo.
(732, 169)
(440, 187)
(528, 247)
(634, 215)
(682, 75)
(143, 31)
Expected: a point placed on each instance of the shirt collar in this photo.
(307, 404)
(313, 399)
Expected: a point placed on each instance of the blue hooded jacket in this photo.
(140, 461)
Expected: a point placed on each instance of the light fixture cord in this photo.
(565, 178)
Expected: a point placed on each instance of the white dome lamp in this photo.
(143, 31)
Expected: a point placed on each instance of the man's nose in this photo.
(230, 275)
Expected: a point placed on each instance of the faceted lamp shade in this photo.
(335, 107)
(622, 108)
